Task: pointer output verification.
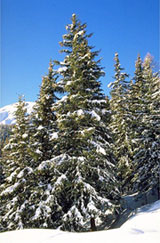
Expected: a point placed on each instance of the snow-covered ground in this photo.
(7, 113)
(143, 227)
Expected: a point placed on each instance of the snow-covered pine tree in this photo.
(5, 131)
(138, 88)
(156, 125)
(85, 188)
(120, 123)
(1, 172)
(4, 134)
(147, 136)
(43, 119)
(136, 110)
(43, 140)
(1, 182)
(15, 191)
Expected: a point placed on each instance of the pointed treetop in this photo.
(138, 65)
(21, 98)
(50, 68)
(148, 56)
(116, 54)
(148, 60)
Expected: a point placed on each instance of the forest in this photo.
(68, 164)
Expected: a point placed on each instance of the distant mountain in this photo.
(7, 113)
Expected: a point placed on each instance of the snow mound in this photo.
(146, 219)
(7, 113)
(143, 227)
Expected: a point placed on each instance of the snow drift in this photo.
(142, 227)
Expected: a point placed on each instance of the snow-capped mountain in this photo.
(7, 113)
(142, 227)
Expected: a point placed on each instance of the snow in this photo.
(81, 112)
(25, 135)
(143, 227)
(81, 32)
(25, 171)
(7, 112)
(91, 207)
(95, 115)
(11, 189)
(39, 210)
(13, 174)
(143, 222)
(54, 135)
(68, 83)
(38, 151)
(64, 98)
(62, 69)
(44, 165)
(40, 127)
(59, 180)
(98, 101)
(101, 150)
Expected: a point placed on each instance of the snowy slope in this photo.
(143, 227)
(7, 113)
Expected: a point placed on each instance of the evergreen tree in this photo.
(147, 136)
(43, 119)
(5, 131)
(138, 91)
(15, 191)
(83, 190)
(43, 140)
(120, 123)
(1, 172)
(135, 115)
(1, 181)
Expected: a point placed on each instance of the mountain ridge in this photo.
(7, 112)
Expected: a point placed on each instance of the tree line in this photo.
(68, 164)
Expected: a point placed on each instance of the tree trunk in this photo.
(93, 224)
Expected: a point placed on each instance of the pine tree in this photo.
(5, 131)
(135, 112)
(43, 119)
(84, 185)
(1, 172)
(147, 136)
(43, 138)
(15, 191)
(120, 123)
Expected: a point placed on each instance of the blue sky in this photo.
(32, 29)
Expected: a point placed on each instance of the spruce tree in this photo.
(147, 134)
(43, 131)
(120, 123)
(15, 191)
(43, 119)
(5, 131)
(84, 187)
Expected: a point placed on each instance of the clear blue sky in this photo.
(31, 30)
